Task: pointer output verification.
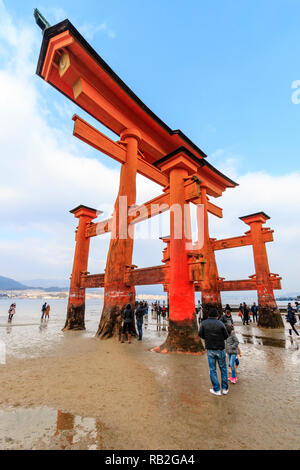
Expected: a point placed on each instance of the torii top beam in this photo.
(71, 65)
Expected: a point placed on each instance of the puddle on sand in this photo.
(269, 341)
(45, 428)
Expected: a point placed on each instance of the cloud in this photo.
(278, 197)
(90, 30)
(226, 161)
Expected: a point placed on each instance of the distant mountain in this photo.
(43, 284)
(6, 284)
(47, 283)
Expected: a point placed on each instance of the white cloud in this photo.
(89, 30)
(278, 197)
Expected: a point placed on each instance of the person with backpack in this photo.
(291, 320)
(128, 318)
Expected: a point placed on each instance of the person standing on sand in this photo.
(128, 317)
(44, 307)
(240, 311)
(245, 312)
(214, 333)
(298, 309)
(254, 310)
(291, 320)
(47, 312)
(232, 350)
(11, 312)
(139, 315)
(227, 317)
(158, 312)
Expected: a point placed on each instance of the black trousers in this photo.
(293, 327)
(254, 316)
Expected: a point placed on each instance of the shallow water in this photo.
(28, 337)
(44, 428)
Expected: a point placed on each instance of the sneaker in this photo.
(215, 393)
(225, 391)
(234, 380)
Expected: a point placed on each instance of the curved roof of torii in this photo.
(70, 64)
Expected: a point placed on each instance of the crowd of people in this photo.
(129, 315)
(45, 312)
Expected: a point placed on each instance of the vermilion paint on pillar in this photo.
(269, 315)
(211, 297)
(76, 302)
(182, 335)
(116, 293)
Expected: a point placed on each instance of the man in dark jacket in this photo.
(245, 312)
(128, 317)
(214, 333)
(254, 311)
(139, 315)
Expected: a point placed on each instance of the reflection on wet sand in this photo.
(48, 429)
(65, 427)
(268, 341)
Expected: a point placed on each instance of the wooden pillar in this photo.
(211, 297)
(182, 334)
(269, 315)
(76, 303)
(116, 293)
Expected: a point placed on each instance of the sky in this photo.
(223, 72)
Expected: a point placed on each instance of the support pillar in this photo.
(76, 303)
(211, 296)
(183, 332)
(116, 293)
(269, 315)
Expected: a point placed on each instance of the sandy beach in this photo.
(133, 398)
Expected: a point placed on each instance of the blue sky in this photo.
(220, 71)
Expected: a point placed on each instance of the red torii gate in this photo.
(169, 158)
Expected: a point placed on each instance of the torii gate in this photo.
(149, 147)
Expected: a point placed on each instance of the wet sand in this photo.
(86, 394)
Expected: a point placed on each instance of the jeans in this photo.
(231, 361)
(140, 329)
(217, 356)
